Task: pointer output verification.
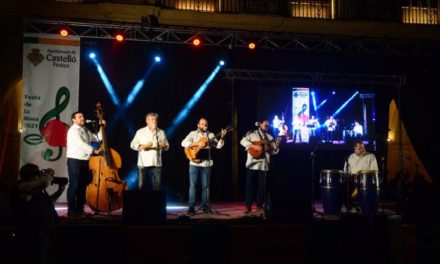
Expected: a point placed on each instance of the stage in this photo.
(228, 235)
(226, 211)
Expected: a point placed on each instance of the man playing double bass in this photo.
(204, 162)
(260, 146)
(79, 150)
(150, 141)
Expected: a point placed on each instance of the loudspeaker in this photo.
(144, 207)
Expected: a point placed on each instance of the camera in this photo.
(60, 180)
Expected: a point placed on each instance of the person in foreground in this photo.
(35, 213)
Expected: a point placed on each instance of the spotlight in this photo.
(196, 42)
(252, 45)
(157, 58)
(333, 92)
(222, 62)
(92, 55)
(64, 32)
(119, 37)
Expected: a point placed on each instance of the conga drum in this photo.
(368, 184)
(331, 190)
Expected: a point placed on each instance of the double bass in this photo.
(104, 193)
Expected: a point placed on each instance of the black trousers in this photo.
(79, 177)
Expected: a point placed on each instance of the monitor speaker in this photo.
(144, 207)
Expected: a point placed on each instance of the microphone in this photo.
(257, 124)
(90, 121)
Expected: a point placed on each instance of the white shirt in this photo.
(152, 157)
(251, 162)
(78, 142)
(331, 124)
(357, 163)
(195, 136)
(358, 130)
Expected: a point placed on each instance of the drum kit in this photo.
(366, 189)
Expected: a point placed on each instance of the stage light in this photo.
(252, 45)
(221, 62)
(333, 92)
(183, 114)
(157, 58)
(345, 104)
(119, 37)
(314, 101)
(196, 42)
(92, 55)
(64, 32)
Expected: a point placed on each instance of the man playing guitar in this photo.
(260, 146)
(202, 165)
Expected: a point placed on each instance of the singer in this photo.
(79, 149)
(202, 168)
(150, 141)
(257, 167)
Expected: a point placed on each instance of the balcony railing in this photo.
(420, 12)
(312, 9)
(406, 11)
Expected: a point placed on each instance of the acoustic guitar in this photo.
(265, 147)
(191, 152)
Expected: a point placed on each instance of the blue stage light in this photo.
(345, 104)
(92, 55)
(183, 114)
(333, 92)
(157, 58)
(222, 62)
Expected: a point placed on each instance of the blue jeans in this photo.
(256, 179)
(79, 176)
(205, 174)
(149, 178)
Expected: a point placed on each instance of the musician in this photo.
(150, 141)
(202, 168)
(257, 167)
(358, 130)
(79, 149)
(298, 125)
(312, 126)
(331, 124)
(357, 161)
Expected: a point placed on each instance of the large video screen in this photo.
(325, 116)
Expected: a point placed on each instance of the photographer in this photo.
(35, 212)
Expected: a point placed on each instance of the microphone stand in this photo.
(312, 195)
(348, 183)
(380, 184)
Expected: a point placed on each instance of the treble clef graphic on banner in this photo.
(53, 131)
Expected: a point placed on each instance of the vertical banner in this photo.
(300, 111)
(50, 96)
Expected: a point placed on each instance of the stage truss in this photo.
(316, 78)
(238, 39)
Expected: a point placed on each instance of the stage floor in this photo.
(222, 211)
